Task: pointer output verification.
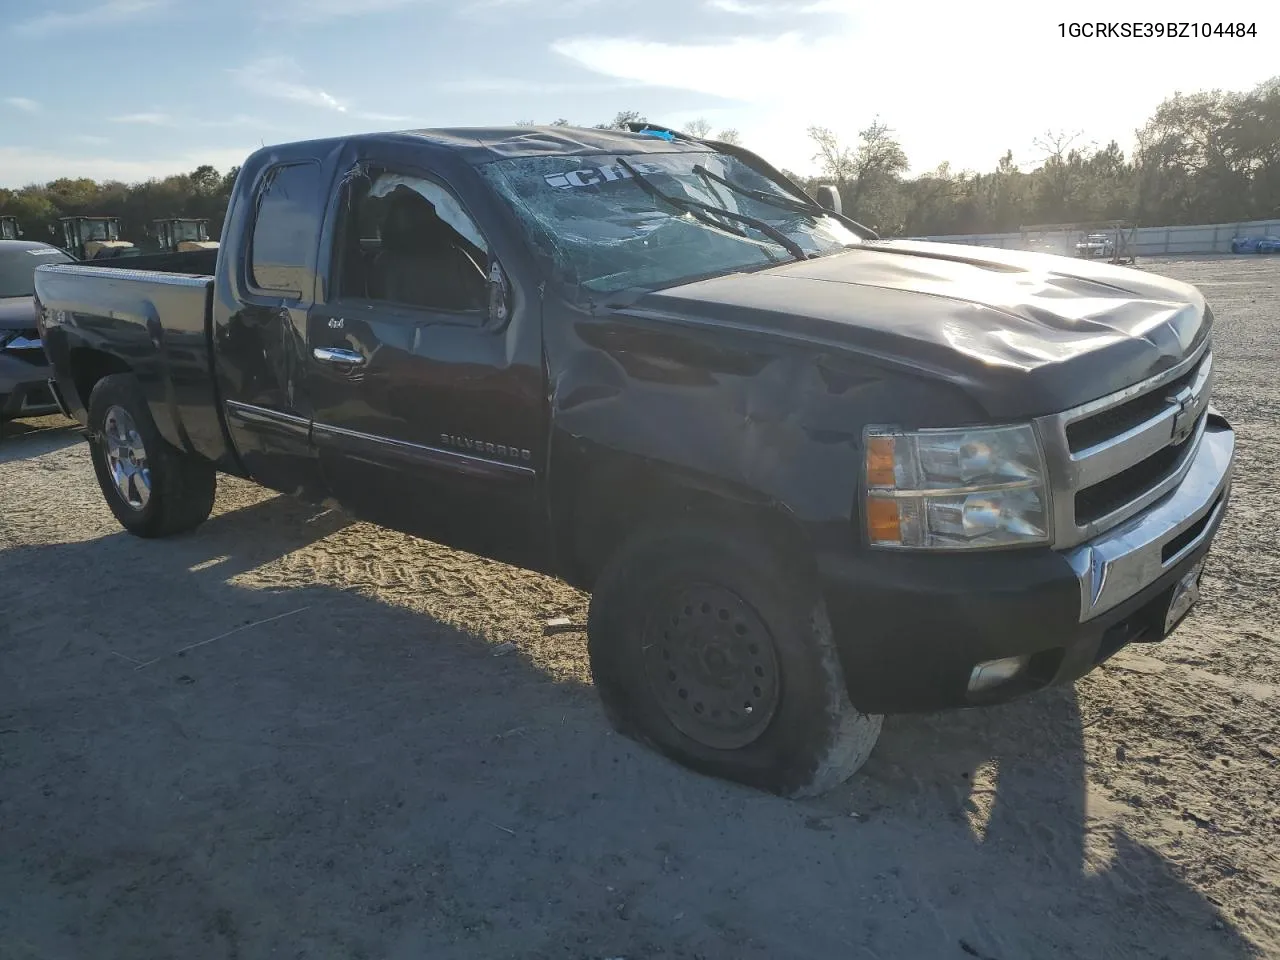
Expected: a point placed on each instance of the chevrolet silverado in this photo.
(809, 476)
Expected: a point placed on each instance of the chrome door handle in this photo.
(338, 355)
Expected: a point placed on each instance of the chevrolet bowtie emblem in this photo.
(1184, 419)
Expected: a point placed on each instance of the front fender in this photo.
(775, 422)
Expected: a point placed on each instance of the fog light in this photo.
(992, 673)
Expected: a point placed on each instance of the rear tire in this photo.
(689, 624)
(153, 489)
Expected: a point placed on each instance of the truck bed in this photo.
(152, 321)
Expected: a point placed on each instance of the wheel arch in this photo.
(610, 496)
(87, 366)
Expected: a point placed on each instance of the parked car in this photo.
(1255, 245)
(809, 476)
(24, 371)
(1096, 245)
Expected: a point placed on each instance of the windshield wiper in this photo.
(706, 213)
(783, 203)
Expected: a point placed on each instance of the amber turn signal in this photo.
(880, 461)
(883, 523)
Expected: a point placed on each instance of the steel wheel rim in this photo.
(126, 458)
(711, 665)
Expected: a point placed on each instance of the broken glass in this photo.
(606, 234)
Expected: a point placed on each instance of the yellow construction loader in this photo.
(181, 235)
(89, 238)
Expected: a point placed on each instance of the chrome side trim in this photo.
(247, 411)
(278, 420)
(417, 453)
(372, 446)
(1129, 558)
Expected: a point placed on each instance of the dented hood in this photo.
(1023, 333)
(17, 313)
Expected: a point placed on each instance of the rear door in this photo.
(428, 406)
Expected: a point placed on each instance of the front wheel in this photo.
(710, 649)
(153, 489)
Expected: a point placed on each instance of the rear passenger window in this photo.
(286, 230)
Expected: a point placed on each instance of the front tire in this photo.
(710, 649)
(153, 489)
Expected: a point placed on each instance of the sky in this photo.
(131, 89)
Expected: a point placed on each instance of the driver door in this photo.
(428, 411)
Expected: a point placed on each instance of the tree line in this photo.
(1207, 157)
(203, 194)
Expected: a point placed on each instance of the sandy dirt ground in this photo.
(290, 735)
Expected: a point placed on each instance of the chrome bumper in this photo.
(1132, 556)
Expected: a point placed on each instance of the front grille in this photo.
(1113, 457)
(1114, 421)
(1095, 502)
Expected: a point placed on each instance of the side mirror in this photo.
(829, 197)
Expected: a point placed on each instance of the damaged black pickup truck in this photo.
(810, 477)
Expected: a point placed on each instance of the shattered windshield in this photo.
(606, 233)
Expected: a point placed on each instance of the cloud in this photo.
(239, 120)
(150, 119)
(385, 118)
(181, 118)
(20, 166)
(542, 9)
(281, 79)
(319, 11)
(968, 88)
(715, 69)
(777, 8)
(23, 104)
(90, 15)
(516, 86)
(760, 10)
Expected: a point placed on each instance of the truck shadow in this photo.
(200, 760)
(24, 439)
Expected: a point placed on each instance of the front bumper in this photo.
(912, 627)
(24, 388)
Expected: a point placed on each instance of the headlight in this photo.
(956, 489)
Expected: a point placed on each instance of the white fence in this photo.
(1147, 241)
